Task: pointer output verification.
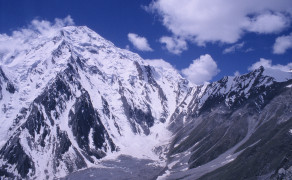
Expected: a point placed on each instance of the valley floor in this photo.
(122, 168)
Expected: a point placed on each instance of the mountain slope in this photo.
(71, 100)
(240, 121)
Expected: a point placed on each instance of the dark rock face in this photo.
(64, 144)
(62, 147)
(10, 87)
(265, 153)
(215, 134)
(35, 121)
(134, 114)
(105, 105)
(144, 119)
(151, 80)
(82, 120)
(14, 155)
(139, 70)
(284, 174)
(221, 137)
(4, 81)
(2, 74)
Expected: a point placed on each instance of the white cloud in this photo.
(268, 23)
(139, 42)
(282, 44)
(67, 21)
(233, 48)
(249, 50)
(225, 21)
(201, 70)
(266, 63)
(21, 39)
(174, 45)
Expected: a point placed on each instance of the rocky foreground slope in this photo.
(72, 99)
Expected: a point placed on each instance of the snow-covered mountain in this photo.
(70, 99)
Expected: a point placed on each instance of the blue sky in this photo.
(223, 36)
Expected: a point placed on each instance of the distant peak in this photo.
(277, 74)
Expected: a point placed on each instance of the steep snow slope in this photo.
(78, 98)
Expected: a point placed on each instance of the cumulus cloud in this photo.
(268, 23)
(202, 21)
(233, 48)
(266, 63)
(139, 42)
(174, 45)
(20, 39)
(201, 70)
(282, 44)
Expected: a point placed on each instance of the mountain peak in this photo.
(277, 74)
